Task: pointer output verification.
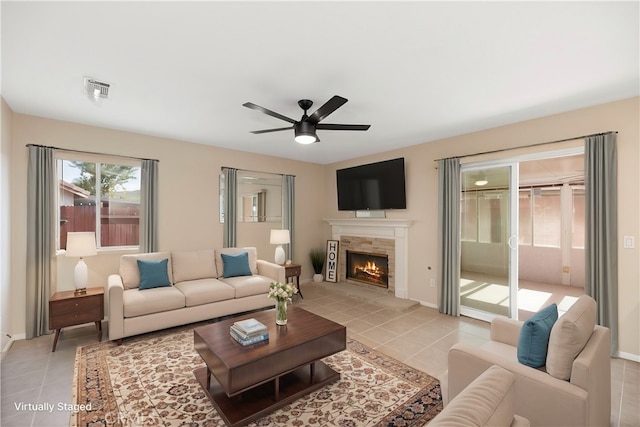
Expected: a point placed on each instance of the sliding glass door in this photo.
(489, 241)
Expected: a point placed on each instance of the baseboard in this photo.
(424, 303)
(14, 338)
(628, 356)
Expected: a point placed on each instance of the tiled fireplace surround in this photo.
(380, 236)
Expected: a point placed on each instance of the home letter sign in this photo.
(331, 273)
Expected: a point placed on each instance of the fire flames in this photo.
(369, 268)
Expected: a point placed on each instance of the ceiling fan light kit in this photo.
(305, 133)
(305, 129)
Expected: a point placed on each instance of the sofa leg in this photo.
(119, 342)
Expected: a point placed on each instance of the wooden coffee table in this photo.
(247, 383)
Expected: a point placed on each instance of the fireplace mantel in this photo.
(396, 229)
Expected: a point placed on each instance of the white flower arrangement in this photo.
(282, 291)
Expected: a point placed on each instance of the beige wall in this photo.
(422, 194)
(188, 196)
(6, 128)
(188, 183)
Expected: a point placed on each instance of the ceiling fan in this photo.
(305, 128)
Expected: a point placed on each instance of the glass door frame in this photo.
(514, 215)
(512, 233)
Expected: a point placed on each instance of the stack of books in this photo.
(249, 331)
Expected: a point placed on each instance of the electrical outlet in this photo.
(432, 283)
(629, 242)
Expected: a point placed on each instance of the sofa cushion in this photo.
(488, 401)
(205, 291)
(192, 265)
(253, 258)
(249, 285)
(129, 267)
(569, 335)
(153, 274)
(148, 301)
(236, 265)
(534, 337)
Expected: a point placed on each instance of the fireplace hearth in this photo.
(368, 268)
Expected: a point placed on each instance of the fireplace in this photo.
(368, 268)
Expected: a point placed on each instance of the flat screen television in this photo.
(374, 186)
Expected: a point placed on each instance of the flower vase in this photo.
(281, 311)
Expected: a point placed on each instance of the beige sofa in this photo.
(488, 401)
(572, 389)
(199, 290)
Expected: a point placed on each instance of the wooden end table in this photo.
(68, 308)
(291, 271)
(247, 383)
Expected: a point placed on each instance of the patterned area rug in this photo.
(149, 381)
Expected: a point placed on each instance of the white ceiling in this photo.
(415, 71)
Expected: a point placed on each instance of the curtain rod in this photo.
(528, 146)
(90, 152)
(247, 170)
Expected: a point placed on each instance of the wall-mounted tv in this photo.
(374, 186)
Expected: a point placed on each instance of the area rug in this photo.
(149, 381)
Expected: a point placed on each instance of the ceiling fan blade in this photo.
(267, 112)
(270, 130)
(327, 126)
(329, 107)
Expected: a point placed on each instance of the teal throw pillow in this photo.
(236, 265)
(534, 337)
(153, 274)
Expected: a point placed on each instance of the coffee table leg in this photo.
(277, 385)
(312, 370)
(208, 379)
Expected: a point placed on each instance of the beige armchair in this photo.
(582, 399)
(488, 401)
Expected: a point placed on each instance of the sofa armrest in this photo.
(506, 331)
(540, 398)
(488, 401)
(116, 306)
(271, 270)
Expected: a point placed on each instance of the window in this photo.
(524, 217)
(546, 217)
(490, 212)
(469, 210)
(101, 195)
(578, 218)
(540, 216)
(481, 213)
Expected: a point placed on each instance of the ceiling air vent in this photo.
(96, 89)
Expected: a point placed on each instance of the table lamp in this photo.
(279, 237)
(81, 244)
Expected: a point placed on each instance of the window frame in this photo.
(99, 159)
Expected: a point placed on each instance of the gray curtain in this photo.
(288, 211)
(149, 206)
(601, 243)
(230, 207)
(41, 215)
(449, 235)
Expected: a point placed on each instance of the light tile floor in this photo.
(417, 335)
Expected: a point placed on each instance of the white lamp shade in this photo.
(279, 237)
(81, 244)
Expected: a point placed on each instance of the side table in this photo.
(291, 271)
(68, 308)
